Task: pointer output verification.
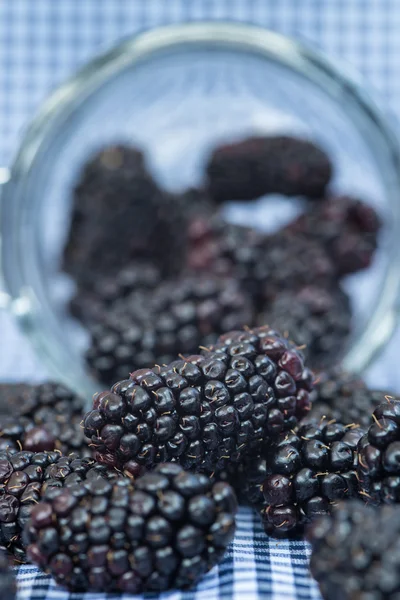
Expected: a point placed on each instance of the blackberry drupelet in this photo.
(314, 317)
(355, 552)
(307, 472)
(347, 227)
(342, 396)
(164, 532)
(379, 455)
(25, 477)
(206, 412)
(7, 581)
(119, 214)
(44, 417)
(256, 166)
(264, 265)
(178, 317)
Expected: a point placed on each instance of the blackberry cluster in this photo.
(178, 317)
(307, 471)
(379, 455)
(24, 478)
(166, 531)
(348, 229)
(44, 417)
(355, 552)
(119, 214)
(256, 166)
(204, 411)
(264, 265)
(7, 580)
(344, 397)
(316, 318)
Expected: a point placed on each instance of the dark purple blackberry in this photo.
(119, 214)
(379, 455)
(355, 552)
(25, 477)
(307, 471)
(256, 166)
(317, 318)
(204, 411)
(165, 532)
(347, 227)
(44, 417)
(7, 581)
(10, 395)
(140, 277)
(178, 317)
(264, 265)
(344, 397)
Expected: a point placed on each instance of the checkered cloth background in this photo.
(42, 43)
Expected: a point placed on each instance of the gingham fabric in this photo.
(44, 41)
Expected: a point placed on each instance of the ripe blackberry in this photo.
(307, 471)
(165, 532)
(257, 166)
(204, 411)
(140, 277)
(314, 317)
(24, 478)
(10, 394)
(7, 581)
(344, 397)
(347, 227)
(355, 552)
(178, 317)
(379, 455)
(264, 265)
(119, 213)
(44, 417)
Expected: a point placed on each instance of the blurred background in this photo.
(43, 42)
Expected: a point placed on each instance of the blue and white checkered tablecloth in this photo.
(44, 41)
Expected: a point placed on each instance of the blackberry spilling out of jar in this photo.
(154, 327)
(206, 411)
(355, 552)
(42, 417)
(24, 478)
(306, 472)
(136, 251)
(164, 532)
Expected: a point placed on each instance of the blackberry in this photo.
(24, 478)
(257, 166)
(7, 581)
(347, 227)
(307, 471)
(204, 411)
(179, 316)
(264, 265)
(379, 455)
(314, 317)
(165, 532)
(355, 552)
(119, 213)
(44, 417)
(344, 397)
(140, 277)
(10, 394)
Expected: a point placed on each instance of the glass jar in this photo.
(176, 92)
